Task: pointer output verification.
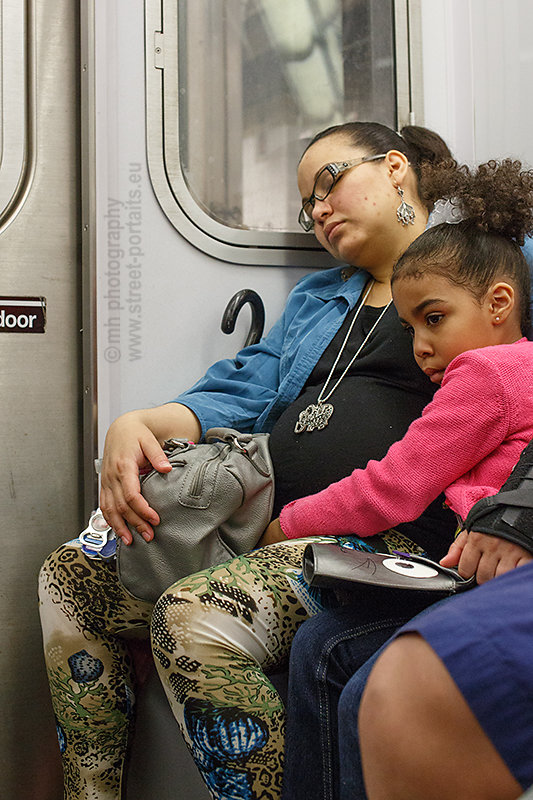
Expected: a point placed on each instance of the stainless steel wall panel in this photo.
(40, 405)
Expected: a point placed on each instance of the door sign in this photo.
(22, 314)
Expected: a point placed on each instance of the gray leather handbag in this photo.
(214, 504)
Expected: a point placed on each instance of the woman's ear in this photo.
(501, 301)
(398, 165)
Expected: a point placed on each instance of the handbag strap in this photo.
(245, 443)
(228, 435)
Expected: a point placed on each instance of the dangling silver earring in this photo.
(405, 213)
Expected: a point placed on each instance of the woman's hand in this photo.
(133, 443)
(272, 534)
(484, 555)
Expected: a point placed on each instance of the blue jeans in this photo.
(331, 657)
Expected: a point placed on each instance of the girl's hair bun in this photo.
(497, 197)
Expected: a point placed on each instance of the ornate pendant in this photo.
(314, 417)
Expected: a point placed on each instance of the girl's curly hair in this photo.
(496, 205)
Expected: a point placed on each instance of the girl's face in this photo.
(444, 320)
(356, 222)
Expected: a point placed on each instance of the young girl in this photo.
(461, 291)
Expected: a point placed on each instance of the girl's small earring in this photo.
(497, 319)
(405, 213)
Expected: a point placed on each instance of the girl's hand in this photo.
(453, 556)
(133, 443)
(272, 534)
(484, 555)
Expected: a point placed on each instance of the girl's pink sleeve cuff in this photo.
(287, 522)
(300, 518)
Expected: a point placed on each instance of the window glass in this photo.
(15, 156)
(256, 80)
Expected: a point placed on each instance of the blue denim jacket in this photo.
(250, 391)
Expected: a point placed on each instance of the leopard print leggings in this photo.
(214, 635)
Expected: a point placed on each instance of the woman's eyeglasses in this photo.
(324, 183)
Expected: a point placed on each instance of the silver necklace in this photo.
(317, 415)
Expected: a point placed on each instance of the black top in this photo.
(374, 405)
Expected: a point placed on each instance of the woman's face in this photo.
(357, 221)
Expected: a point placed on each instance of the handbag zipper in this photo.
(197, 483)
(198, 480)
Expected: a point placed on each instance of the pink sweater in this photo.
(466, 442)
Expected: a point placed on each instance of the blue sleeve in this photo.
(246, 391)
(527, 250)
(233, 393)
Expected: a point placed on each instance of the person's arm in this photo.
(466, 420)
(272, 534)
(133, 442)
(489, 546)
(231, 394)
(234, 393)
(483, 555)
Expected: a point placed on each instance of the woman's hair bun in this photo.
(429, 146)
